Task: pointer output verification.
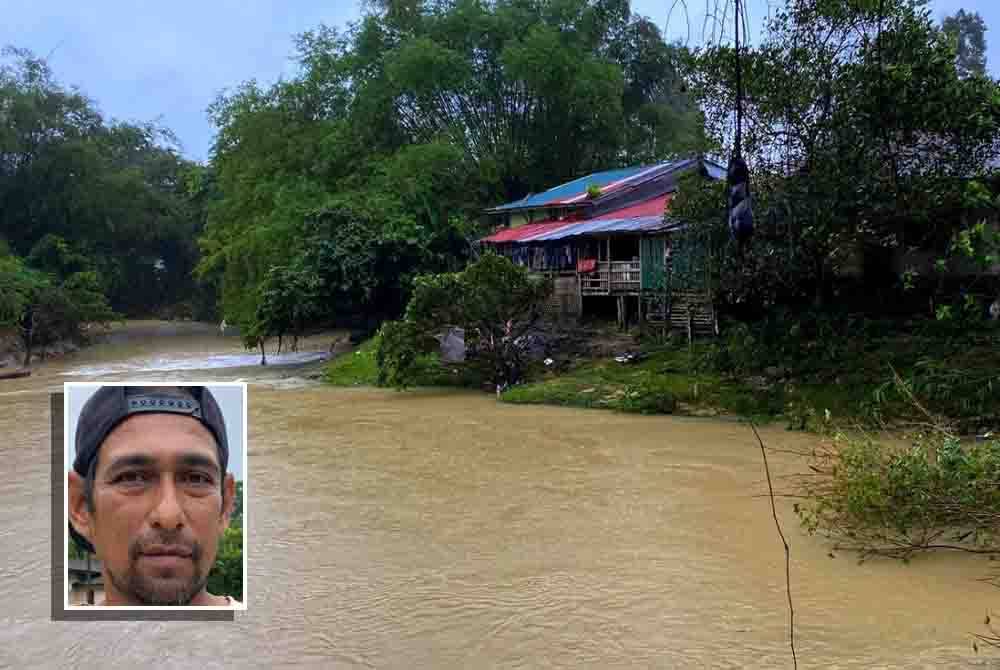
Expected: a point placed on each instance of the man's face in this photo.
(158, 509)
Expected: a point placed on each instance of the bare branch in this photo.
(784, 542)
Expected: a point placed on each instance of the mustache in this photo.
(141, 544)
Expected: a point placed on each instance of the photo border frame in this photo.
(61, 609)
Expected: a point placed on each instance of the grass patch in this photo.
(356, 368)
(666, 381)
(360, 369)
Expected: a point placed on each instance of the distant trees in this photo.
(967, 30)
(226, 577)
(80, 194)
(44, 308)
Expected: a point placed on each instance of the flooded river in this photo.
(444, 530)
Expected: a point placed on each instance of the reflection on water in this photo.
(204, 363)
(444, 530)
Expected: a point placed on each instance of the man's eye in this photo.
(199, 479)
(131, 478)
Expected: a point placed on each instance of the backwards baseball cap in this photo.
(111, 405)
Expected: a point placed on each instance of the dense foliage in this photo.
(882, 500)
(495, 302)
(226, 577)
(372, 165)
(967, 30)
(868, 146)
(44, 308)
(100, 208)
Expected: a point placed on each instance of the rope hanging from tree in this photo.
(738, 175)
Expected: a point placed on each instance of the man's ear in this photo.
(79, 514)
(228, 500)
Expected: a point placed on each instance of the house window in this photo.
(625, 249)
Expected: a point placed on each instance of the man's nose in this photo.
(167, 513)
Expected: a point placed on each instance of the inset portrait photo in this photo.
(154, 495)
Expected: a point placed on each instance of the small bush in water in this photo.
(897, 501)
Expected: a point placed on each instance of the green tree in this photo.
(497, 304)
(226, 576)
(78, 193)
(237, 518)
(967, 31)
(372, 165)
(860, 132)
(74, 551)
(44, 309)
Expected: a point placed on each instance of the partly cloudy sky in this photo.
(145, 61)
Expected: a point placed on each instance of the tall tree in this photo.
(372, 165)
(102, 195)
(967, 30)
(860, 132)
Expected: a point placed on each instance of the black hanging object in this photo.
(738, 176)
(740, 214)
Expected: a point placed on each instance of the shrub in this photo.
(897, 501)
(494, 301)
(226, 577)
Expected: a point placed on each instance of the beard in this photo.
(165, 589)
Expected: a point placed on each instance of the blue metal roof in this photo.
(559, 194)
(574, 192)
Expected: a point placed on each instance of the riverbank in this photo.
(308, 362)
(131, 330)
(815, 384)
(12, 352)
(660, 382)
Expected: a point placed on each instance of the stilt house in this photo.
(608, 242)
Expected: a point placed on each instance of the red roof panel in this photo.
(527, 230)
(651, 207)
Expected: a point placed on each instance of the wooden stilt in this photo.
(665, 308)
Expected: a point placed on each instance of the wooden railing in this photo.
(612, 278)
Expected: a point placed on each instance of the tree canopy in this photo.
(496, 303)
(863, 134)
(373, 163)
(97, 211)
(968, 32)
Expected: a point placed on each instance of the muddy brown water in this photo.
(444, 530)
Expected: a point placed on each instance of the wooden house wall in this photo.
(565, 302)
(653, 256)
